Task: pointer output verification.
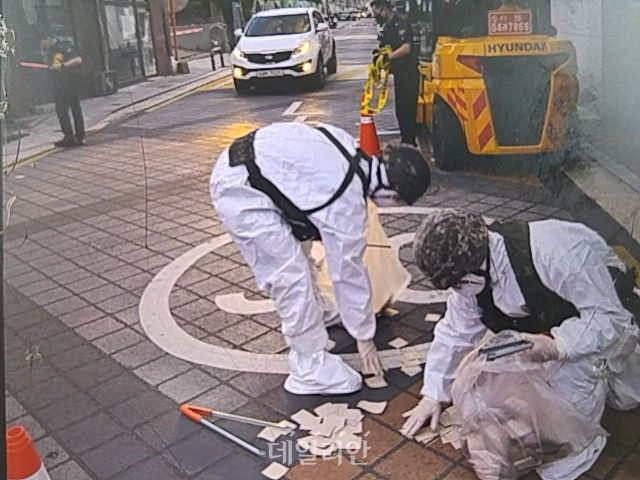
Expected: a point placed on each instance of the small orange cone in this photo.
(369, 143)
(23, 461)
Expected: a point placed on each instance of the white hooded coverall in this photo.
(307, 168)
(603, 361)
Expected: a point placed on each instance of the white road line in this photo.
(291, 109)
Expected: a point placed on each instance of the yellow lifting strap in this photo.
(376, 84)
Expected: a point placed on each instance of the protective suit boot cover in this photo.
(320, 373)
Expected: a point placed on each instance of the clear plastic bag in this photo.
(512, 421)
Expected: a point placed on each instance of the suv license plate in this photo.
(270, 73)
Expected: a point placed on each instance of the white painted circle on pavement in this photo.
(160, 326)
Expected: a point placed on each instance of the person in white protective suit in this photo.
(286, 184)
(550, 276)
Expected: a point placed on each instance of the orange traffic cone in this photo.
(369, 143)
(23, 461)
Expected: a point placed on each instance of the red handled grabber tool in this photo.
(197, 413)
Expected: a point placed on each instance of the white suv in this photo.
(286, 42)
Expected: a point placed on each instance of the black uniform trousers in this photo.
(65, 102)
(406, 87)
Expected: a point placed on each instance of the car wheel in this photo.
(242, 87)
(448, 141)
(332, 64)
(318, 77)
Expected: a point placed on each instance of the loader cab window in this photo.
(468, 18)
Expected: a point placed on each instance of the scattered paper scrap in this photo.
(353, 415)
(328, 426)
(411, 371)
(306, 420)
(432, 317)
(354, 428)
(275, 471)
(398, 342)
(271, 434)
(335, 428)
(322, 452)
(330, 409)
(372, 407)
(376, 382)
(449, 417)
(426, 435)
(452, 436)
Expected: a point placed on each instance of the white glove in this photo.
(427, 408)
(370, 360)
(545, 349)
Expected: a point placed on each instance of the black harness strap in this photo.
(242, 152)
(546, 308)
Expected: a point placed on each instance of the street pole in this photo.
(172, 13)
(3, 412)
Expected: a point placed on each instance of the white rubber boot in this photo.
(321, 373)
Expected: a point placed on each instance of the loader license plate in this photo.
(270, 73)
(510, 23)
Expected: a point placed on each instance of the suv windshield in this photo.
(278, 25)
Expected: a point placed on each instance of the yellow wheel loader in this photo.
(499, 81)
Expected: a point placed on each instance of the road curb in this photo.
(126, 111)
(599, 193)
(136, 107)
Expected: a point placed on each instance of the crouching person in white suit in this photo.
(556, 284)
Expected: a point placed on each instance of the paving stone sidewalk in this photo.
(105, 398)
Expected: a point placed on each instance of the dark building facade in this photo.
(120, 41)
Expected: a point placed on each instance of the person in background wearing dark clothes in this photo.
(398, 34)
(64, 77)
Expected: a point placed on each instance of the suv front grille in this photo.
(266, 58)
(518, 90)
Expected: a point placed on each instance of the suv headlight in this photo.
(302, 49)
(239, 54)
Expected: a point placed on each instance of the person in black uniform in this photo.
(64, 77)
(398, 34)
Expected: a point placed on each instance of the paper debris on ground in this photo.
(411, 371)
(275, 471)
(329, 409)
(432, 317)
(306, 420)
(354, 428)
(452, 436)
(328, 426)
(335, 428)
(319, 442)
(376, 382)
(426, 435)
(398, 342)
(353, 415)
(322, 452)
(449, 417)
(372, 407)
(271, 434)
